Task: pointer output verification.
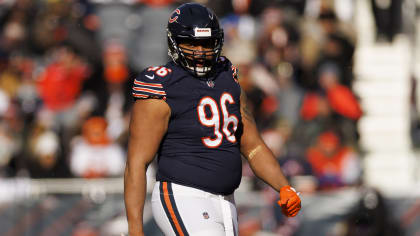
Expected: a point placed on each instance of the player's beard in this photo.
(200, 62)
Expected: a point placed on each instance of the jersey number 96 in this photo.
(214, 120)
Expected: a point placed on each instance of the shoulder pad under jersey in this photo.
(225, 62)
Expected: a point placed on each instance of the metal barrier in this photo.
(67, 206)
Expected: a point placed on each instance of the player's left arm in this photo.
(263, 162)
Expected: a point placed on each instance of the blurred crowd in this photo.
(298, 76)
(67, 66)
(295, 62)
(62, 94)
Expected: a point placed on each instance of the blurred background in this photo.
(332, 84)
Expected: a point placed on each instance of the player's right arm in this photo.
(148, 125)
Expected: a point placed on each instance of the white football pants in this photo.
(180, 211)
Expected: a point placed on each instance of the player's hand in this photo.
(289, 201)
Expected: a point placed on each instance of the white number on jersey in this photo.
(214, 120)
(160, 70)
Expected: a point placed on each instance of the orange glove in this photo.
(289, 201)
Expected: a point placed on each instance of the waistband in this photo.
(182, 190)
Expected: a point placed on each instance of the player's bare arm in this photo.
(263, 162)
(259, 156)
(149, 122)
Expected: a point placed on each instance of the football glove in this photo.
(289, 201)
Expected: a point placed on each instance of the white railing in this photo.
(16, 189)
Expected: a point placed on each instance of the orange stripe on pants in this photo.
(170, 209)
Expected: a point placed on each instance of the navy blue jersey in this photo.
(201, 146)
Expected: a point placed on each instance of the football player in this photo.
(192, 114)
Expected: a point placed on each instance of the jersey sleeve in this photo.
(148, 85)
(234, 73)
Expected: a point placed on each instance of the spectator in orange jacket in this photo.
(334, 96)
(333, 163)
